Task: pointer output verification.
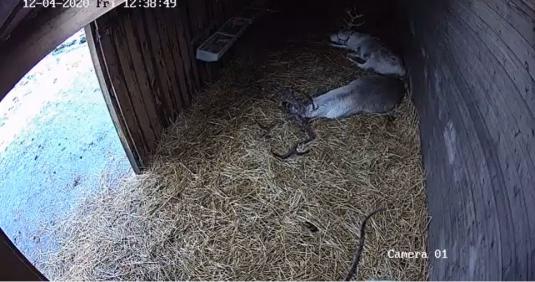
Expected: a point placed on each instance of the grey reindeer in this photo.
(371, 94)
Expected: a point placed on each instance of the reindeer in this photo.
(367, 52)
(372, 94)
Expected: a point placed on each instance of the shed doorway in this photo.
(57, 146)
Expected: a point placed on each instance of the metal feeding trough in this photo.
(218, 43)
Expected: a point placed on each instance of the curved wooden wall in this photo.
(27, 35)
(472, 68)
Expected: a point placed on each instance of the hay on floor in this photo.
(217, 205)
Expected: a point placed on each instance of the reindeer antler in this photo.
(353, 18)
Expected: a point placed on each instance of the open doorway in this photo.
(57, 145)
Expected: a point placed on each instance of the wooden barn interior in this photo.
(471, 74)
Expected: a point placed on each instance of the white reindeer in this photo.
(368, 53)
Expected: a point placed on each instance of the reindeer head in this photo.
(348, 38)
(294, 105)
(353, 19)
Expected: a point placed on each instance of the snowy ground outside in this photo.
(57, 145)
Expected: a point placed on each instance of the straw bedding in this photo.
(216, 204)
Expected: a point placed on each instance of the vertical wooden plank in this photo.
(186, 64)
(196, 21)
(221, 10)
(212, 21)
(188, 21)
(150, 66)
(179, 63)
(187, 51)
(140, 74)
(161, 80)
(185, 28)
(119, 91)
(163, 63)
(110, 99)
(213, 17)
(206, 27)
(132, 86)
(169, 60)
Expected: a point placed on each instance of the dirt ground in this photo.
(57, 146)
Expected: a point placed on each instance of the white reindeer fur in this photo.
(375, 55)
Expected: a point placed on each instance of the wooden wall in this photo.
(27, 35)
(15, 266)
(145, 60)
(12, 14)
(472, 68)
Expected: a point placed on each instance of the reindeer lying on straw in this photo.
(367, 52)
(371, 94)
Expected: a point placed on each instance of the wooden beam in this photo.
(110, 99)
(33, 41)
(15, 266)
(6, 8)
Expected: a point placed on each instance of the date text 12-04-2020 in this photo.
(99, 3)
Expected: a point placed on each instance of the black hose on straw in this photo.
(354, 265)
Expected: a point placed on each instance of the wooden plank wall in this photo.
(27, 35)
(472, 69)
(147, 57)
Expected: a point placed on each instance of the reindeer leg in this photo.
(311, 134)
(354, 55)
(302, 122)
(355, 59)
(363, 65)
(338, 45)
(311, 101)
(293, 151)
